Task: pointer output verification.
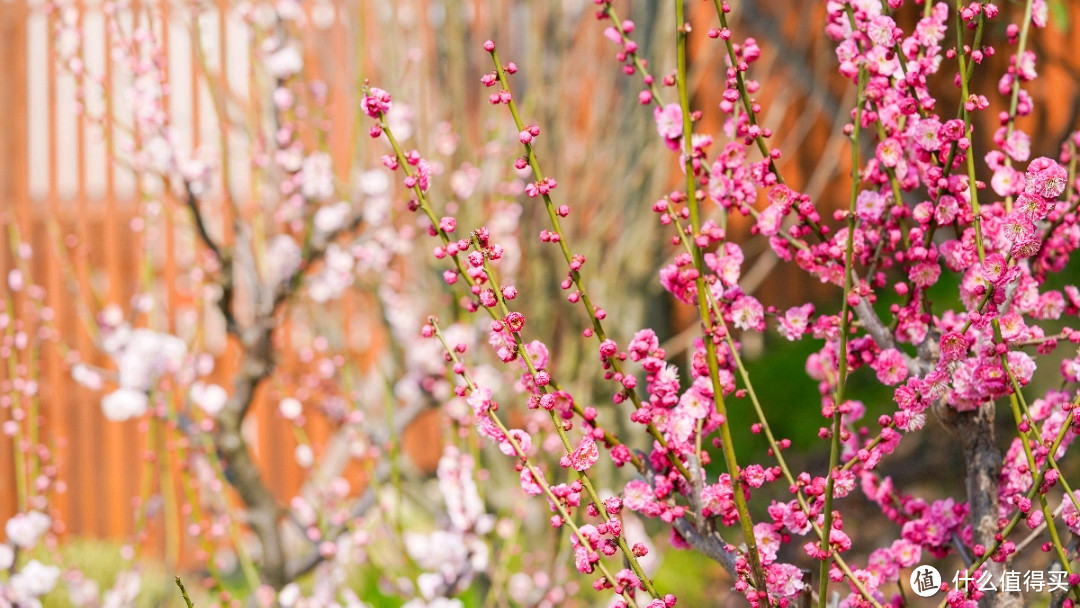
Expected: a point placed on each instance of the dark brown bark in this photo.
(256, 338)
(975, 432)
(263, 511)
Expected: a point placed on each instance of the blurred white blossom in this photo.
(24, 529)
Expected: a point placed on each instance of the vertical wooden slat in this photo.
(140, 444)
(81, 434)
(115, 256)
(341, 98)
(102, 521)
(171, 529)
(13, 146)
(13, 180)
(117, 293)
(55, 392)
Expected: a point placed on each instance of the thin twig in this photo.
(183, 592)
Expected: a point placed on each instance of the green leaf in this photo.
(1059, 14)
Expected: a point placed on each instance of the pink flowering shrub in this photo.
(955, 365)
(949, 289)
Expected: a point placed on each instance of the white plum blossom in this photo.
(82, 592)
(450, 558)
(304, 456)
(197, 172)
(159, 154)
(331, 217)
(210, 397)
(439, 602)
(16, 280)
(289, 594)
(290, 408)
(463, 503)
(400, 119)
(124, 591)
(318, 177)
(284, 62)
(68, 40)
(290, 159)
(437, 550)
(351, 600)
(32, 581)
(373, 182)
(24, 529)
(523, 589)
(453, 556)
(124, 404)
(283, 258)
(85, 376)
(336, 275)
(142, 356)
